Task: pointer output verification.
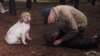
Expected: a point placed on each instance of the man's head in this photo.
(49, 16)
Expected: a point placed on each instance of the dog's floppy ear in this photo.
(25, 16)
(21, 19)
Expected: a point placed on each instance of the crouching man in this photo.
(71, 24)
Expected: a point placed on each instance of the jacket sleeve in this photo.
(73, 26)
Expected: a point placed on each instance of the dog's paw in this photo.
(29, 38)
(25, 43)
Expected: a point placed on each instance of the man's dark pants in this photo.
(78, 41)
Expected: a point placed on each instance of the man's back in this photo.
(67, 13)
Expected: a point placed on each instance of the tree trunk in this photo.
(76, 3)
(35, 1)
(62, 2)
(93, 2)
(12, 7)
(29, 4)
(1, 1)
(89, 0)
(71, 1)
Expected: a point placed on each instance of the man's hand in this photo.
(57, 42)
(55, 33)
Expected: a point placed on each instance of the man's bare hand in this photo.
(57, 42)
(55, 33)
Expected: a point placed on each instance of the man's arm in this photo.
(70, 34)
(74, 29)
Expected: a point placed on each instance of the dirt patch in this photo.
(36, 47)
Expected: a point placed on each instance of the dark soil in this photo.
(37, 47)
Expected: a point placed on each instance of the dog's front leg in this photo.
(23, 39)
(28, 37)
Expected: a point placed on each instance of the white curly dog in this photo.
(19, 32)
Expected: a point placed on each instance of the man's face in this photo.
(52, 17)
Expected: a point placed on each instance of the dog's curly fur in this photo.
(19, 30)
